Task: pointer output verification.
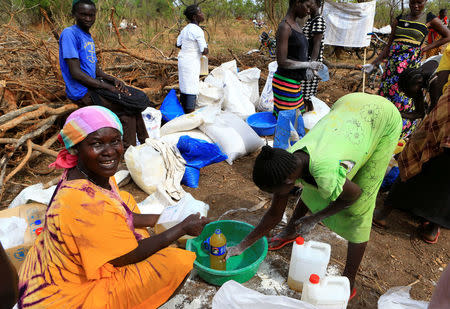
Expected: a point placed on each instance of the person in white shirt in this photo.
(193, 45)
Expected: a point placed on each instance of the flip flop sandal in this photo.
(435, 240)
(352, 295)
(378, 225)
(284, 243)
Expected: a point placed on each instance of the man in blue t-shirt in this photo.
(84, 78)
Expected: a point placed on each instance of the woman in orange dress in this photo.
(94, 251)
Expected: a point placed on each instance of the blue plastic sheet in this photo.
(287, 122)
(171, 108)
(191, 177)
(197, 153)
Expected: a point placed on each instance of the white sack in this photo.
(320, 110)
(12, 231)
(250, 82)
(399, 298)
(233, 135)
(191, 121)
(266, 100)
(210, 94)
(235, 100)
(152, 119)
(219, 72)
(348, 23)
(146, 166)
(172, 139)
(233, 295)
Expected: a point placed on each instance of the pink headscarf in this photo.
(78, 126)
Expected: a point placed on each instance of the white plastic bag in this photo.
(146, 166)
(191, 121)
(235, 100)
(233, 135)
(35, 193)
(320, 110)
(399, 298)
(172, 215)
(233, 295)
(152, 119)
(156, 202)
(266, 99)
(12, 231)
(249, 79)
(172, 139)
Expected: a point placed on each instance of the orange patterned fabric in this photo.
(86, 227)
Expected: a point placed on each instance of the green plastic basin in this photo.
(240, 268)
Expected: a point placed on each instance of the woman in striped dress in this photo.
(292, 59)
(314, 30)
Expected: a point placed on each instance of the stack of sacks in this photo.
(234, 92)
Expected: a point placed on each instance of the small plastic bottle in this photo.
(218, 247)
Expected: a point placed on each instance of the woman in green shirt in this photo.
(341, 163)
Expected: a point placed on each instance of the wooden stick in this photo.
(47, 144)
(22, 164)
(14, 114)
(235, 57)
(116, 30)
(364, 73)
(45, 109)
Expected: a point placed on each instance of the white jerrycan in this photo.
(307, 258)
(328, 293)
(204, 69)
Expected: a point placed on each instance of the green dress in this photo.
(356, 141)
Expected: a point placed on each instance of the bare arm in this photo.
(120, 85)
(270, 219)
(349, 195)
(192, 225)
(142, 220)
(283, 33)
(443, 31)
(385, 52)
(83, 78)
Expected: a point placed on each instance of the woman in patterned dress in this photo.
(314, 30)
(404, 50)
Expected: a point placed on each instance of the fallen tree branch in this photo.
(22, 164)
(235, 57)
(116, 30)
(14, 114)
(45, 109)
(46, 124)
(47, 144)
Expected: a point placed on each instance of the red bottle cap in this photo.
(314, 279)
(299, 240)
(400, 144)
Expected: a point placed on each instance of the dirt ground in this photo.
(395, 256)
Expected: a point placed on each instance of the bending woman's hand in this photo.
(307, 224)
(233, 251)
(315, 65)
